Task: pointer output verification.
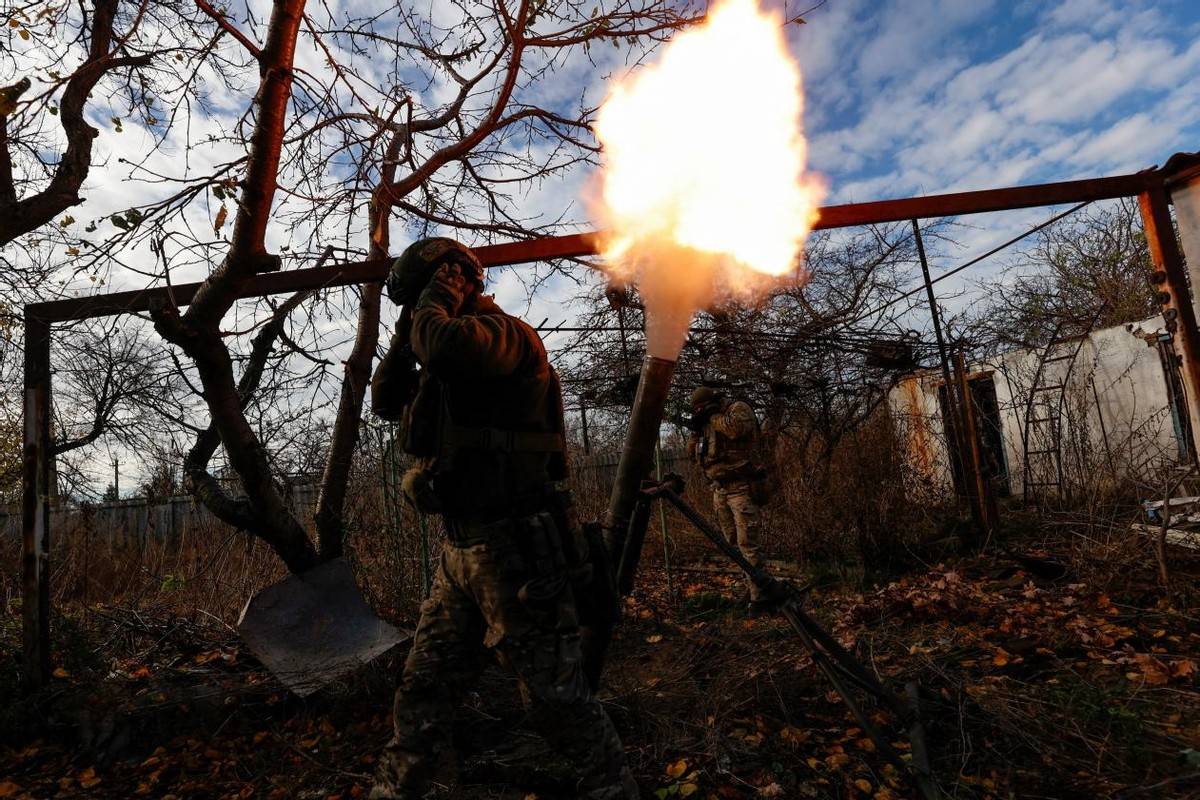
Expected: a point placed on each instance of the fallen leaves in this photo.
(975, 641)
(88, 778)
(679, 781)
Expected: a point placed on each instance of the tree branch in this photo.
(229, 28)
(19, 217)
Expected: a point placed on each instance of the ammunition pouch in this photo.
(417, 486)
(592, 575)
(537, 538)
(598, 605)
(762, 486)
(593, 581)
(598, 602)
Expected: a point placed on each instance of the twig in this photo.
(1141, 790)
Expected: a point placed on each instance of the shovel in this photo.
(313, 628)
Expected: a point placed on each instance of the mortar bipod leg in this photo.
(834, 675)
(829, 656)
(906, 708)
(756, 573)
(848, 664)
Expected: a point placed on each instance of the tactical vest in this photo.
(725, 458)
(486, 472)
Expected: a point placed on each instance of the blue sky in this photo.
(911, 97)
(921, 96)
(904, 97)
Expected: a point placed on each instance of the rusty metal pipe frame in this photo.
(577, 245)
(40, 316)
(35, 506)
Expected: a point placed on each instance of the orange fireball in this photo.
(704, 149)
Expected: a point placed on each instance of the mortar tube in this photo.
(637, 455)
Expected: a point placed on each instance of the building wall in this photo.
(1115, 412)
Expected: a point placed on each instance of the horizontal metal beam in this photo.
(585, 244)
(296, 280)
(986, 200)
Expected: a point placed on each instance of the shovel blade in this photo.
(313, 628)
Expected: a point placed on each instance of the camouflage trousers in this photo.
(739, 517)
(473, 602)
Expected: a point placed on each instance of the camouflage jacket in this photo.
(725, 448)
(483, 370)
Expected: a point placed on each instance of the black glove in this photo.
(396, 379)
(448, 288)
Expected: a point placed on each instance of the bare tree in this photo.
(76, 63)
(1089, 270)
(474, 140)
(36, 192)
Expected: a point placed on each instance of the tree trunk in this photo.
(197, 333)
(331, 527)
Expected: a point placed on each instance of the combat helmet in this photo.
(416, 265)
(703, 396)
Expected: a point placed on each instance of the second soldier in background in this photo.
(723, 441)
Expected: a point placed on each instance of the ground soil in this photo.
(1038, 683)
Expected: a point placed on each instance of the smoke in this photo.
(676, 282)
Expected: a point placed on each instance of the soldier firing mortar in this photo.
(484, 419)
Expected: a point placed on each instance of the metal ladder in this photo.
(1043, 430)
(1043, 440)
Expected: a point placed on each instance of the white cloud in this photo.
(903, 97)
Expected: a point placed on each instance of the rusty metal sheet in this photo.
(313, 628)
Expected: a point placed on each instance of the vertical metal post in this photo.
(937, 334)
(953, 416)
(662, 520)
(1172, 282)
(587, 444)
(35, 506)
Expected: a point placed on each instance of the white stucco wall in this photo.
(1128, 428)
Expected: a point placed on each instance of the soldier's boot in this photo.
(585, 735)
(401, 775)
